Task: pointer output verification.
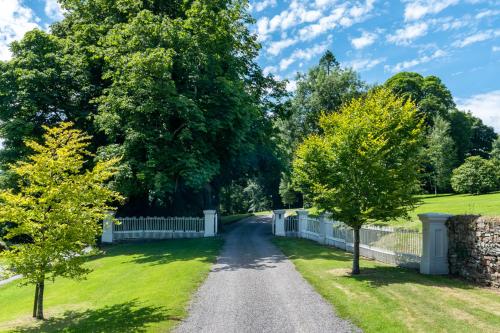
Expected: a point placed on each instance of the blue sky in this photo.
(457, 40)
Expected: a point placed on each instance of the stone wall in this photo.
(474, 248)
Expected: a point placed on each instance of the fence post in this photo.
(302, 221)
(210, 222)
(107, 229)
(279, 222)
(322, 227)
(434, 243)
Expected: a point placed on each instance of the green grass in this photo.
(234, 218)
(135, 287)
(389, 299)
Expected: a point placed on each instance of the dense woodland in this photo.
(174, 90)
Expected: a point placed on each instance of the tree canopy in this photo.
(364, 164)
(58, 205)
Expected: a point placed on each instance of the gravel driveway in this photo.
(254, 288)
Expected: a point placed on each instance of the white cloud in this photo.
(485, 106)
(275, 48)
(303, 54)
(415, 62)
(259, 6)
(15, 21)
(407, 34)
(495, 48)
(487, 13)
(361, 65)
(476, 38)
(415, 10)
(53, 9)
(324, 24)
(366, 39)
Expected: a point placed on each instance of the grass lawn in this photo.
(234, 218)
(135, 287)
(390, 299)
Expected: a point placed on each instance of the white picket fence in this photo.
(130, 228)
(394, 246)
(154, 227)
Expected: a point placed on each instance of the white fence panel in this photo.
(393, 246)
(158, 227)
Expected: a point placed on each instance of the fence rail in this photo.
(158, 227)
(395, 246)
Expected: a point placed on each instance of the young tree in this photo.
(441, 153)
(364, 166)
(58, 205)
(495, 150)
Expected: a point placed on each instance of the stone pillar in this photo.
(302, 220)
(107, 229)
(434, 243)
(210, 223)
(279, 222)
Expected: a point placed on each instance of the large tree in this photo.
(364, 165)
(57, 205)
(430, 95)
(171, 86)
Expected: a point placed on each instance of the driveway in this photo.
(253, 287)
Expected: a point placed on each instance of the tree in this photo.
(287, 191)
(170, 86)
(256, 197)
(476, 176)
(495, 151)
(58, 205)
(324, 88)
(364, 166)
(441, 154)
(430, 95)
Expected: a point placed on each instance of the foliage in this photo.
(287, 191)
(441, 154)
(256, 198)
(392, 299)
(133, 287)
(429, 94)
(172, 88)
(324, 88)
(58, 205)
(364, 166)
(495, 149)
(475, 176)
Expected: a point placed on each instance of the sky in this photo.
(456, 40)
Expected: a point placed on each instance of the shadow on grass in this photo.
(118, 318)
(160, 252)
(387, 275)
(380, 275)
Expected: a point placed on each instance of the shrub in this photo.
(475, 176)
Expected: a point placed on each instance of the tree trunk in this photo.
(355, 261)
(39, 314)
(35, 303)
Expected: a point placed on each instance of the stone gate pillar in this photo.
(279, 222)
(107, 229)
(434, 243)
(302, 221)
(210, 223)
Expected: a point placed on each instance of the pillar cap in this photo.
(302, 212)
(279, 211)
(208, 211)
(434, 217)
